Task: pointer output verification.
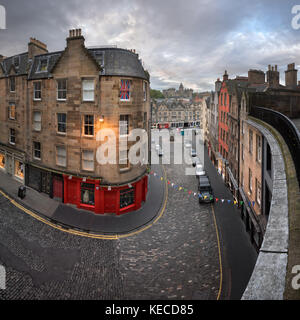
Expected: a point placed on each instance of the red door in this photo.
(72, 192)
(57, 187)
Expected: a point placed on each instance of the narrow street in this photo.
(177, 258)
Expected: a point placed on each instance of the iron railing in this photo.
(285, 127)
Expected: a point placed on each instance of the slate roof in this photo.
(113, 62)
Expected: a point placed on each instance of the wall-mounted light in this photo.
(101, 119)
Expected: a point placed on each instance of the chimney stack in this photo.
(218, 85)
(36, 47)
(75, 38)
(291, 76)
(273, 77)
(256, 77)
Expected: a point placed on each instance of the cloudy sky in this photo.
(189, 41)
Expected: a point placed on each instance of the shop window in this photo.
(12, 84)
(61, 156)
(88, 160)
(62, 122)
(62, 89)
(125, 90)
(88, 90)
(37, 90)
(88, 194)
(2, 161)
(37, 150)
(12, 136)
(37, 120)
(12, 111)
(89, 125)
(126, 198)
(19, 169)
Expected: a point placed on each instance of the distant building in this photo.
(180, 93)
(171, 113)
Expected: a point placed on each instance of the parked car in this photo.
(206, 194)
(193, 153)
(200, 170)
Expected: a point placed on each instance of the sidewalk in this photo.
(86, 220)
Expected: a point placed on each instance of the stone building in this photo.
(171, 113)
(213, 124)
(53, 105)
(180, 93)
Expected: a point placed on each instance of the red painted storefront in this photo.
(104, 199)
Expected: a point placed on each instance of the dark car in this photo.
(206, 194)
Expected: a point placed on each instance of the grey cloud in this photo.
(179, 41)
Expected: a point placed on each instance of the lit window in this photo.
(62, 122)
(125, 90)
(88, 88)
(12, 111)
(43, 66)
(37, 150)
(19, 169)
(89, 125)
(2, 160)
(12, 84)
(61, 156)
(12, 136)
(37, 87)
(126, 198)
(37, 120)
(88, 194)
(62, 89)
(88, 160)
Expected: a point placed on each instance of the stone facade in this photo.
(62, 101)
(170, 113)
(180, 93)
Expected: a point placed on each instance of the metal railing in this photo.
(285, 127)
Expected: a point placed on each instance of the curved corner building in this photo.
(54, 104)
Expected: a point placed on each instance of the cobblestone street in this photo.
(177, 258)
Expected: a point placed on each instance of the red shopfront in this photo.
(88, 194)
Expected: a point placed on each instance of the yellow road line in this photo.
(85, 234)
(219, 250)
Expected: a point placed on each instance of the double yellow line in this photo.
(85, 234)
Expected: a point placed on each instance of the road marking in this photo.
(219, 250)
(85, 234)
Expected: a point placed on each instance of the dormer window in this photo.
(43, 66)
(16, 61)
